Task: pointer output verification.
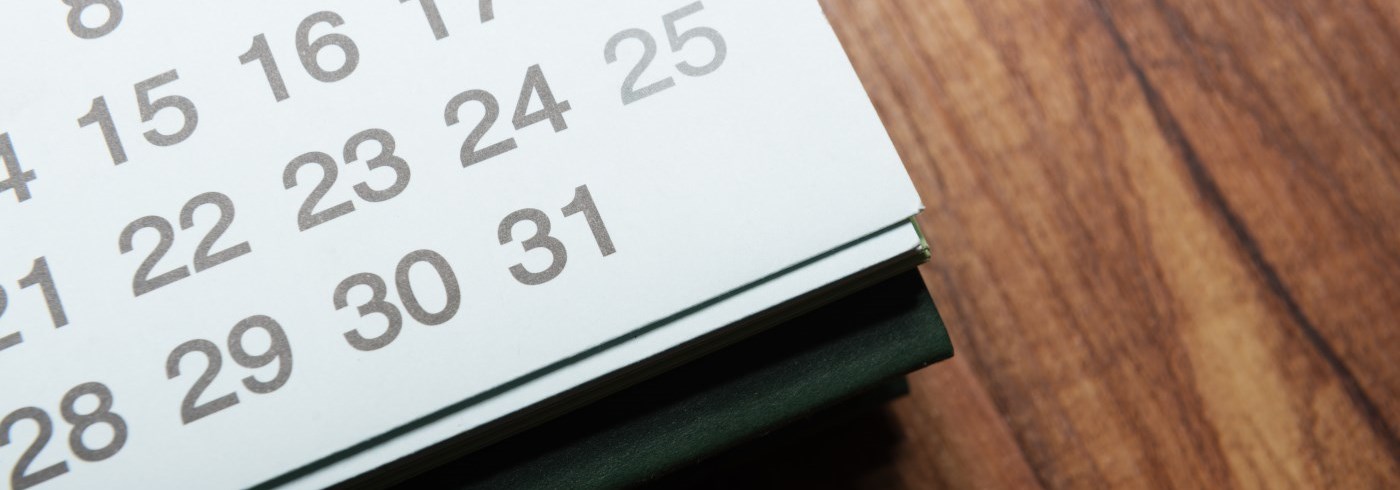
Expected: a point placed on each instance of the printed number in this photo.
(39, 275)
(583, 203)
(308, 217)
(430, 10)
(190, 408)
(677, 40)
(308, 51)
(470, 155)
(75, 18)
(378, 304)
(261, 52)
(541, 240)
(17, 178)
(13, 339)
(21, 477)
(630, 93)
(279, 350)
(142, 282)
(102, 116)
(535, 85)
(100, 415)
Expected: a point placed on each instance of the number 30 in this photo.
(75, 18)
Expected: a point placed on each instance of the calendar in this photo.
(283, 243)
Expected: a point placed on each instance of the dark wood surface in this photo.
(1166, 240)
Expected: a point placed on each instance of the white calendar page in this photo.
(240, 237)
(826, 270)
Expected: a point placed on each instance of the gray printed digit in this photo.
(678, 40)
(385, 159)
(470, 155)
(449, 285)
(534, 86)
(17, 178)
(75, 18)
(308, 217)
(40, 275)
(559, 256)
(20, 476)
(149, 109)
(379, 304)
(376, 304)
(263, 54)
(100, 415)
(309, 51)
(630, 93)
(100, 115)
(279, 350)
(142, 283)
(190, 408)
(430, 10)
(202, 259)
(12, 339)
(434, 16)
(583, 203)
(551, 110)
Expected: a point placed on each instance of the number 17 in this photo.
(430, 10)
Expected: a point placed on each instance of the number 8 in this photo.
(75, 18)
(102, 415)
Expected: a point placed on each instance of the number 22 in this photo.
(142, 282)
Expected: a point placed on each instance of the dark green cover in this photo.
(731, 396)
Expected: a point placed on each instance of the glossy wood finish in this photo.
(1166, 240)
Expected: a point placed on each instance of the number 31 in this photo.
(582, 203)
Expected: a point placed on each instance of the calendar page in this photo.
(826, 270)
(240, 237)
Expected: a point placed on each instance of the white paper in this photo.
(771, 159)
(827, 270)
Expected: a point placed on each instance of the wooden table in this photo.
(1166, 240)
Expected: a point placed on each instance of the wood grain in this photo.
(1166, 238)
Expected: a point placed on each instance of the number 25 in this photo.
(678, 41)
